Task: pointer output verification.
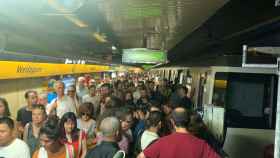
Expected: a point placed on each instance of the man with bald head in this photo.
(181, 143)
(110, 129)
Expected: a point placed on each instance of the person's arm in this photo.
(141, 155)
(52, 107)
(19, 125)
(25, 132)
(84, 147)
(35, 155)
(20, 129)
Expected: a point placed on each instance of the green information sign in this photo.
(143, 56)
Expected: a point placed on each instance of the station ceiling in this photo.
(98, 30)
(219, 40)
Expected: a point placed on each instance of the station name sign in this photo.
(14, 69)
(73, 61)
(28, 69)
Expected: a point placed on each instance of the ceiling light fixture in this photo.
(76, 21)
(68, 14)
(100, 37)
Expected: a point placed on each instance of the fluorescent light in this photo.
(63, 11)
(99, 37)
(76, 20)
(57, 14)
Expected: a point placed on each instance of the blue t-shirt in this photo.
(51, 96)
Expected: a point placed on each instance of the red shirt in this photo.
(76, 144)
(180, 145)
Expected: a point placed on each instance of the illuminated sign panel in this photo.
(143, 55)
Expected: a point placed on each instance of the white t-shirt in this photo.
(94, 100)
(88, 127)
(147, 138)
(64, 105)
(136, 95)
(81, 92)
(17, 149)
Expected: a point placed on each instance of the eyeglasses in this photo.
(84, 113)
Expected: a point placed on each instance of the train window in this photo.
(249, 99)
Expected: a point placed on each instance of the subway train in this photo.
(238, 104)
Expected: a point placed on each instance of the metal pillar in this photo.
(277, 128)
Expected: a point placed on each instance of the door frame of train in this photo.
(271, 51)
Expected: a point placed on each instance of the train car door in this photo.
(250, 101)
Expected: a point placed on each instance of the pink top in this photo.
(124, 144)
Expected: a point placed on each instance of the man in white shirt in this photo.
(81, 89)
(10, 146)
(93, 98)
(150, 135)
(62, 103)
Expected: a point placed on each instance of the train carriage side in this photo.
(238, 104)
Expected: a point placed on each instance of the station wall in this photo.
(13, 90)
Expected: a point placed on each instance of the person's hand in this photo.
(52, 107)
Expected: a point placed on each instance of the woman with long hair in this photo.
(4, 108)
(72, 137)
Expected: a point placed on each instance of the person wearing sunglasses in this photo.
(86, 122)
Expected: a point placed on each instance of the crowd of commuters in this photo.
(139, 116)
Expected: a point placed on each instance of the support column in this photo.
(277, 128)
